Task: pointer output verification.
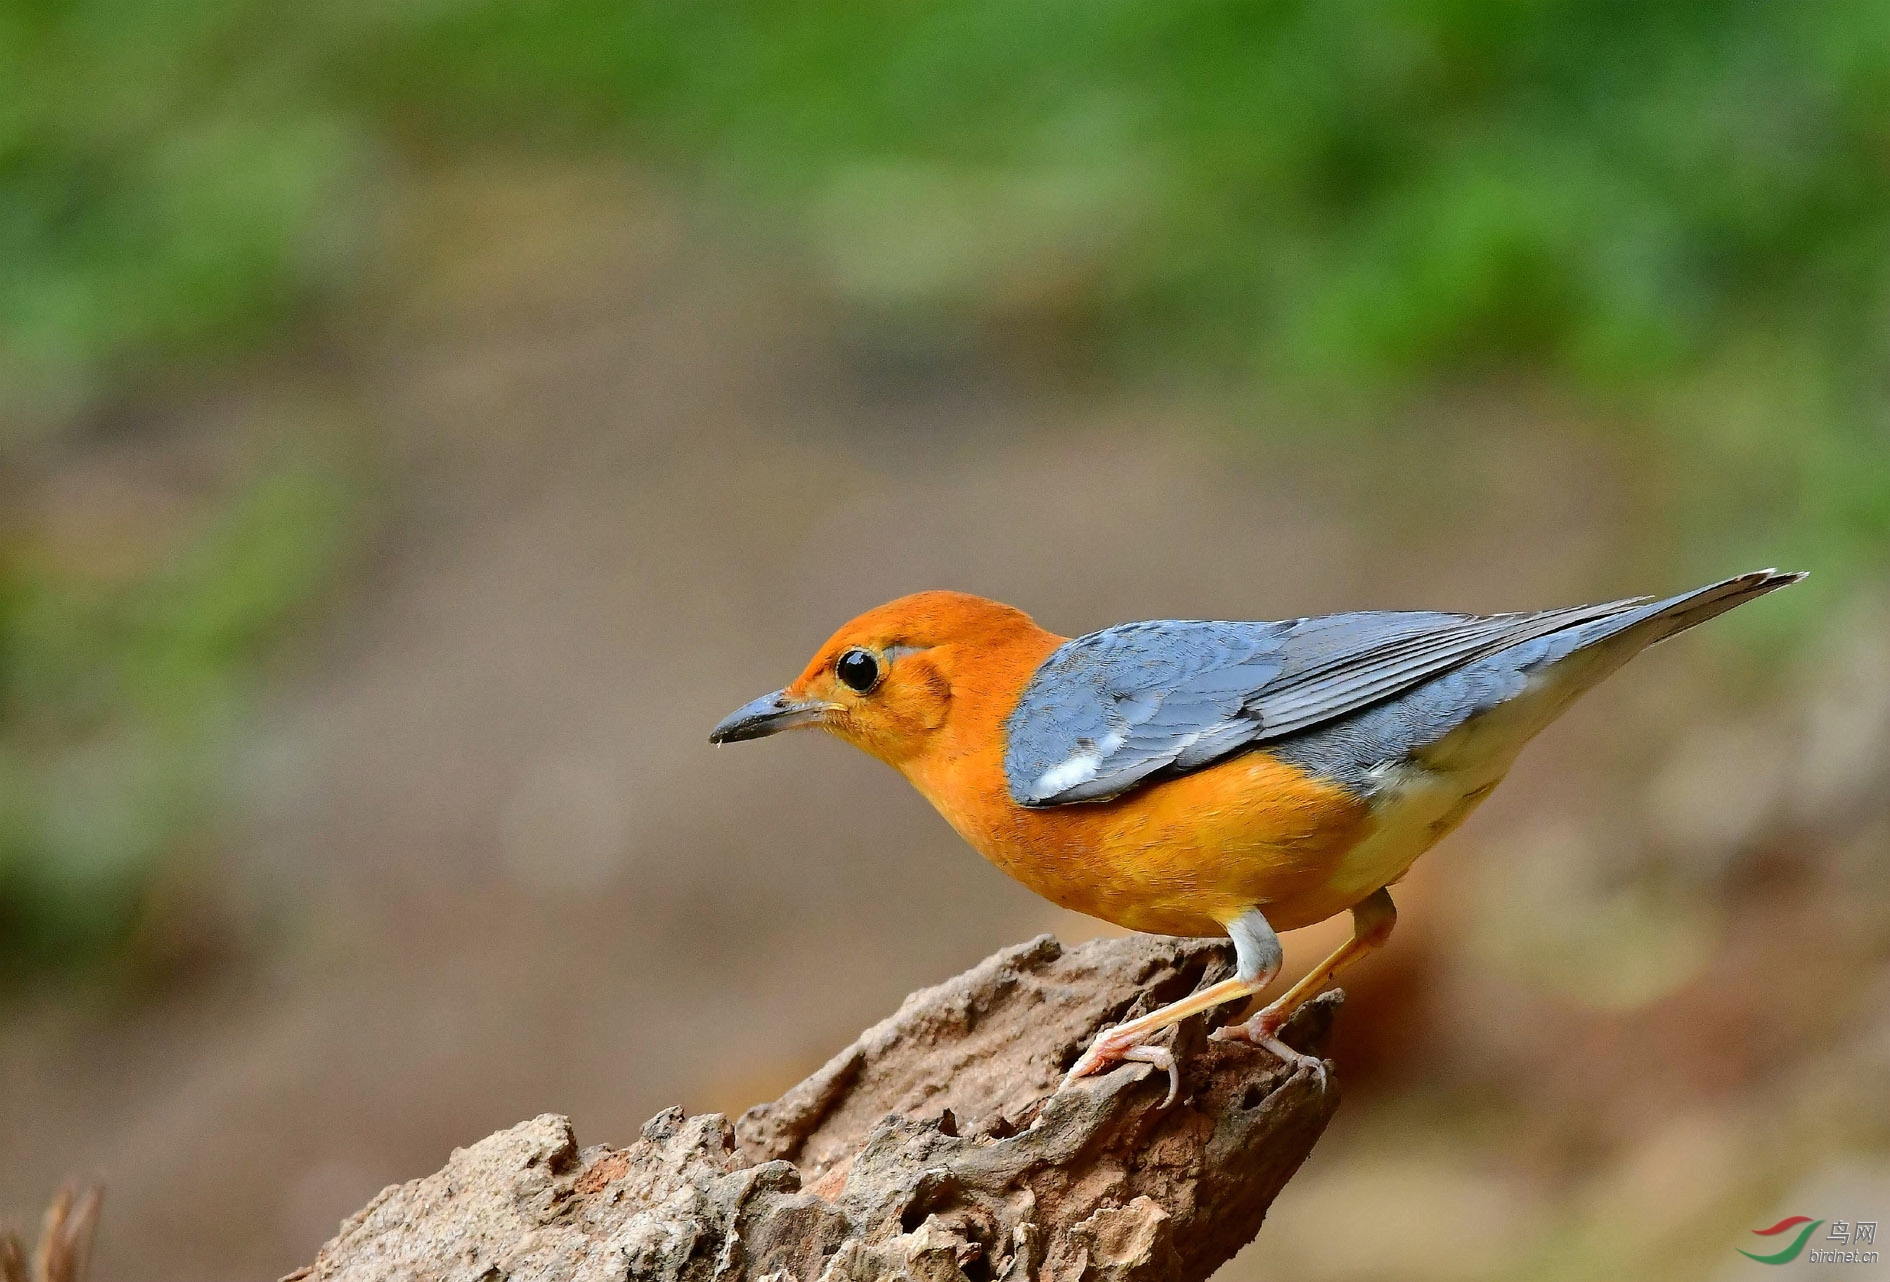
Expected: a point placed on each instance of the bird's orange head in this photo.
(907, 680)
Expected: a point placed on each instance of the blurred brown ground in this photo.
(632, 471)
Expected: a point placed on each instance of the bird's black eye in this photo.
(858, 669)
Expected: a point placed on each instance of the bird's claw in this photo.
(1164, 1059)
(1258, 1031)
(1300, 1062)
(1113, 1047)
(1263, 1031)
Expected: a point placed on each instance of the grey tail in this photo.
(1658, 620)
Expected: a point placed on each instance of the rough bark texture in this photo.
(936, 1147)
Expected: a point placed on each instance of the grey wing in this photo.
(1114, 708)
(1107, 710)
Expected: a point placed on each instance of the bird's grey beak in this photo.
(770, 714)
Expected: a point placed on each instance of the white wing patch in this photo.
(1078, 769)
(1081, 767)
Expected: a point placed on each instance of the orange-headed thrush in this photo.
(1189, 777)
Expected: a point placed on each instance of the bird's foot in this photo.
(1113, 1045)
(1263, 1031)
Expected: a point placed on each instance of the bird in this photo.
(1198, 777)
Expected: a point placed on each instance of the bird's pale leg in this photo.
(1257, 950)
(1372, 920)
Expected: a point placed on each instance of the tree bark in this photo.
(936, 1147)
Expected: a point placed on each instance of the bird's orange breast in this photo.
(1184, 856)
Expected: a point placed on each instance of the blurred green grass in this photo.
(1610, 193)
(1676, 214)
(118, 690)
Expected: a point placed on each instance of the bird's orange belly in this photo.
(1185, 856)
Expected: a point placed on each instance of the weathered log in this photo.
(936, 1147)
